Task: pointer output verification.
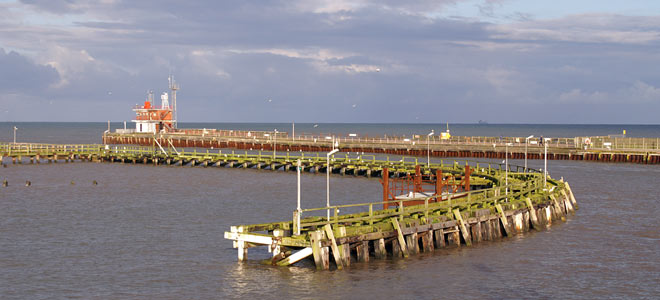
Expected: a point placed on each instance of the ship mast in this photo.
(173, 87)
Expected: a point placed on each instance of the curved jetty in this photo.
(441, 220)
(425, 206)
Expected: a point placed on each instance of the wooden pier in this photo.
(341, 163)
(480, 215)
(600, 149)
(488, 209)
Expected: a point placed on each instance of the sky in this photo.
(353, 61)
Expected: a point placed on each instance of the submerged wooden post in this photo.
(532, 213)
(379, 248)
(362, 251)
(240, 244)
(567, 202)
(315, 239)
(427, 241)
(412, 243)
(344, 249)
(570, 193)
(439, 238)
(275, 246)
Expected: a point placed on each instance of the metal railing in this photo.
(485, 197)
(420, 142)
(391, 162)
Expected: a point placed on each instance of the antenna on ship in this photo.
(173, 87)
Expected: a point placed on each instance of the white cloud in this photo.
(320, 59)
(587, 28)
(69, 63)
(329, 6)
(638, 92)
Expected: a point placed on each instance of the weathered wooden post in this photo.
(379, 248)
(344, 249)
(439, 236)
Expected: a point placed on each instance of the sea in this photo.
(156, 232)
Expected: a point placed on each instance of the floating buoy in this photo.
(28, 183)
(72, 183)
(94, 182)
(5, 183)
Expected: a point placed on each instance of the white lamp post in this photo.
(506, 170)
(298, 207)
(545, 163)
(15, 128)
(527, 142)
(428, 149)
(327, 176)
(274, 142)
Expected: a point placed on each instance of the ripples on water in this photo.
(157, 232)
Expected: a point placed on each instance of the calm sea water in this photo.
(156, 232)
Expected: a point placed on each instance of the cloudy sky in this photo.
(503, 61)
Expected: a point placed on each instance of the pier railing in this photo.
(317, 157)
(393, 162)
(419, 142)
(464, 200)
(38, 148)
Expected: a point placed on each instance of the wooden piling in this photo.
(315, 240)
(439, 236)
(532, 213)
(380, 251)
(362, 251)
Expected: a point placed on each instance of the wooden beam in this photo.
(296, 257)
(567, 202)
(400, 239)
(464, 231)
(505, 223)
(335, 250)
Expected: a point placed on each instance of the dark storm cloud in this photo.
(20, 75)
(353, 60)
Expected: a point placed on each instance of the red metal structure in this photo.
(422, 186)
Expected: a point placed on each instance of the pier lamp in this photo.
(506, 169)
(428, 148)
(274, 142)
(526, 143)
(545, 162)
(327, 181)
(15, 128)
(298, 167)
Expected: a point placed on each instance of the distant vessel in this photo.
(153, 119)
(482, 122)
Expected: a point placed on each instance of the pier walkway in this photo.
(602, 149)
